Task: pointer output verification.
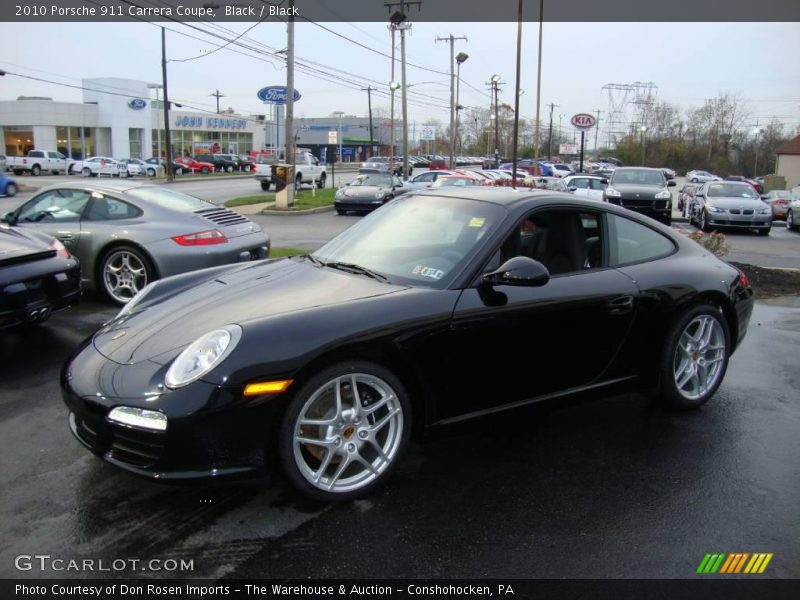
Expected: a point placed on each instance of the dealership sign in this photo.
(583, 121)
(193, 122)
(137, 103)
(276, 94)
(428, 133)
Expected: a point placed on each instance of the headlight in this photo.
(202, 355)
(339, 193)
(765, 211)
(379, 195)
(136, 299)
(714, 209)
(662, 195)
(612, 193)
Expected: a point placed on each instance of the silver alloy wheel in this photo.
(699, 357)
(789, 220)
(348, 432)
(124, 274)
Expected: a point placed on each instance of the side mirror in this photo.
(8, 218)
(520, 271)
(765, 197)
(572, 188)
(699, 196)
(671, 183)
(604, 181)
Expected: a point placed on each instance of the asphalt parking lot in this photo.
(608, 486)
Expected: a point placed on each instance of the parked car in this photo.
(402, 322)
(137, 166)
(99, 165)
(643, 190)
(38, 276)
(590, 186)
(438, 163)
(554, 184)
(368, 191)
(457, 180)
(730, 204)
(8, 185)
(37, 161)
(308, 170)
(610, 160)
(779, 200)
(221, 162)
(177, 168)
(702, 176)
(668, 173)
(756, 186)
(191, 165)
(685, 196)
(127, 235)
(561, 170)
(241, 163)
(424, 180)
(793, 213)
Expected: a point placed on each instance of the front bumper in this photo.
(212, 431)
(744, 219)
(356, 204)
(658, 209)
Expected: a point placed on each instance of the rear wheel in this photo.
(123, 272)
(86, 172)
(11, 190)
(229, 169)
(340, 212)
(151, 172)
(344, 431)
(764, 231)
(298, 183)
(695, 357)
(790, 224)
(204, 170)
(321, 181)
(36, 170)
(265, 185)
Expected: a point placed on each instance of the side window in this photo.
(36, 154)
(597, 184)
(425, 177)
(632, 242)
(565, 241)
(580, 183)
(62, 206)
(109, 209)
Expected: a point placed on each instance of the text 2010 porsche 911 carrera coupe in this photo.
(440, 306)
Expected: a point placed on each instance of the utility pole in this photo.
(460, 58)
(393, 88)
(450, 38)
(398, 20)
(217, 95)
(493, 83)
(167, 136)
(538, 92)
(516, 96)
(550, 134)
(289, 119)
(596, 130)
(369, 89)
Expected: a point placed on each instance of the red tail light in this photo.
(209, 237)
(743, 279)
(60, 249)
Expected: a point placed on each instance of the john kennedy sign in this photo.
(276, 94)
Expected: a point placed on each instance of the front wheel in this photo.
(265, 185)
(229, 169)
(790, 224)
(321, 181)
(704, 221)
(204, 170)
(695, 357)
(344, 431)
(86, 172)
(123, 272)
(11, 190)
(298, 183)
(341, 212)
(151, 172)
(694, 180)
(764, 232)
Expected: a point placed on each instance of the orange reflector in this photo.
(267, 387)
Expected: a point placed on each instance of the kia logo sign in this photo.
(137, 104)
(582, 121)
(276, 94)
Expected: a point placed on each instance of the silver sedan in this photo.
(127, 235)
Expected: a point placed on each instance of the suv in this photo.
(641, 189)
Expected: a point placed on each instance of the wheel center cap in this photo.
(695, 355)
(348, 432)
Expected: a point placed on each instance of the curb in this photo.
(286, 213)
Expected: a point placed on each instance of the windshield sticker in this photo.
(476, 222)
(428, 272)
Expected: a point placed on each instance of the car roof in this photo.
(107, 187)
(638, 169)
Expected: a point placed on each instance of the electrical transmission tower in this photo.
(617, 120)
(644, 98)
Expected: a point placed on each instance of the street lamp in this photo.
(643, 129)
(460, 58)
(340, 114)
(756, 132)
(494, 80)
(156, 87)
(393, 86)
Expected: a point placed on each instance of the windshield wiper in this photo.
(314, 260)
(358, 269)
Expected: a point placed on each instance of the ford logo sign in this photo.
(137, 103)
(276, 94)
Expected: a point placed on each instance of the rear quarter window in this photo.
(632, 242)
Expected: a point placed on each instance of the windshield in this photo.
(637, 177)
(170, 199)
(379, 180)
(417, 240)
(728, 190)
(454, 181)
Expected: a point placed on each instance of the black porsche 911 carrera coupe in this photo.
(439, 307)
(38, 276)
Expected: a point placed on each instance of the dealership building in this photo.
(123, 118)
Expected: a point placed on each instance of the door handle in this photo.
(620, 305)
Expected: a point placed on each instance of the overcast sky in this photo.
(689, 62)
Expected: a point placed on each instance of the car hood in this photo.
(364, 191)
(217, 297)
(642, 190)
(728, 202)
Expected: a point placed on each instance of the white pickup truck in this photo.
(37, 161)
(307, 170)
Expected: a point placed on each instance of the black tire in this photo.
(86, 172)
(340, 212)
(265, 185)
(704, 221)
(204, 170)
(298, 182)
(321, 181)
(398, 440)
(790, 223)
(764, 232)
(694, 180)
(17, 172)
(229, 169)
(110, 256)
(151, 172)
(55, 172)
(669, 391)
(11, 190)
(667, 221)
(36, 170)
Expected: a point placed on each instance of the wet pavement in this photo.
(610, 486)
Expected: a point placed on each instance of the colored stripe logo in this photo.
(737, 562)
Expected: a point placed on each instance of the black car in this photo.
(38, 276)
(220, 162)
(641, 189)
(441, 306)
